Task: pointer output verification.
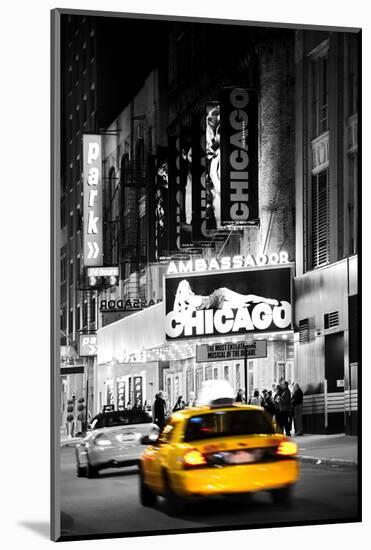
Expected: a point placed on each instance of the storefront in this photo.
(327, 348)
(216, 313)
(160, 347)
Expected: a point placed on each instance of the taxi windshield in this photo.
(227, 423)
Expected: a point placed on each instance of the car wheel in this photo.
(282, 496)
(146, 496)
(81, 471)
(175, 505)
(91, 471)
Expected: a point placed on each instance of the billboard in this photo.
(239, 156)
(212, 165)
(228, 302)
(161, 203)
(93, 200)
(204, 230)
(231, 350)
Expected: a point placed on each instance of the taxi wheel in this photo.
(81, 471)
(282, 496)
(91, 471)
(175, 505)
(146, 496)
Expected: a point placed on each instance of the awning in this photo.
(134, 334)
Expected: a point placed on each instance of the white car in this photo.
(115, 440)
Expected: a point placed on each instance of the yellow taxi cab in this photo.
(222, 448)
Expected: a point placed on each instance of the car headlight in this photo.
(102, 441)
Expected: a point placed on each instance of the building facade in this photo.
(163, 215)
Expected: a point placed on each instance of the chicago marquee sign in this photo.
(228, 302)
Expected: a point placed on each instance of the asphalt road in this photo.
(110, 503)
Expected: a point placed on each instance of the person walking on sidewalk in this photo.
(159, 410)
(276, 403)
(267, 403)
(239, 396)
(180, 404)
(284, 406)
(256, 399)
(297, 406)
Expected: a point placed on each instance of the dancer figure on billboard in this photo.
(213, 166)
(187, 300)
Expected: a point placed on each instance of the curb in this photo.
(320, 461)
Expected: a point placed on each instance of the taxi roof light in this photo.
(287, 448)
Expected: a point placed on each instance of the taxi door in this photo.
(157, 458)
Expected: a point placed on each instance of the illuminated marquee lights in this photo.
(228, 262)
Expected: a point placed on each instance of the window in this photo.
(189, 382)
(70, 321)
(199, 380)
(353, 202)
(320, 219)
(250, 378)
(319, 93)
(78, 264)
(78, 318)
(352, 76)
(71, 272)
(229, 423)
(92, 99)
(215, 373)
(226, 372)
(92, 310)
(84, 110)
(238, 376)
(70, 225)
(63, 269)
(77, 119)
(85, 314)
(208, 373)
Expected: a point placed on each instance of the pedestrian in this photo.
(180, 404)
(284, 406)
(267, 403)
(159, 410)
(297, 406)
(192, 399)
(239, 396)
(256, 399)
(276, 401)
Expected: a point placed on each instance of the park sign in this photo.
(230, 351)
(93, 200)
(88, 345)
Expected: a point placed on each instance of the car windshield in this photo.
(227, 423)
(120, 418)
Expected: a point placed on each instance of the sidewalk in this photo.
(334, 449)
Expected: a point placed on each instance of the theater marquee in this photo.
(253, 300)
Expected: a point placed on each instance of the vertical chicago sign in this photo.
(93, 226)
(239, 149)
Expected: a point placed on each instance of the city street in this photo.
(110, 504)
